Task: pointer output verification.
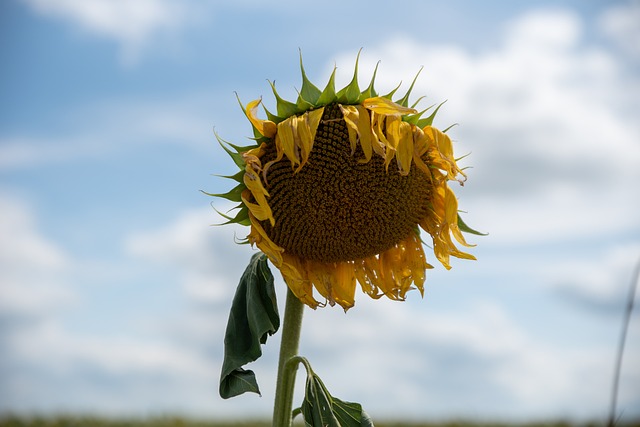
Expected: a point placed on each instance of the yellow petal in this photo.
(307, 125)
(265, 127)
(386, 106)
(404, 150)
(365, 133)
(259, 237)
(285, 140)
(378, 140)
(294, 274)
(350, 115)
(261, 211)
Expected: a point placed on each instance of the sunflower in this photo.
(339, 186)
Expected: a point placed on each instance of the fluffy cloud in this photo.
(31, 266)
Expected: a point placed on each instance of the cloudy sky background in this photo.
(115, 290)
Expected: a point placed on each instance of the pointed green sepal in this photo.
(390, 94)
(351, 92)
(328, 95)
(242, 217)
(404, 101)
(302, 104)
(465, 228)
(236, 156)
(309, 92)
(275, 119)
(370, 91)
(253, 317)
(237, 177)
(283, 107)
(428, 121)
(234, 195)
(415, 104)
(453, 125)
(414, 119)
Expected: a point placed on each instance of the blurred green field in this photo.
(80, 421)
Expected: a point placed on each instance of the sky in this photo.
(115, 287)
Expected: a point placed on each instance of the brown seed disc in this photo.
(337, 209)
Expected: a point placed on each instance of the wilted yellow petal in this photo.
(285, 140)
(404, 151)
(307, 125)
(386, 106)
(259, 237)
(294, 275)
(265, 127)
(350, 115)
(261, 211)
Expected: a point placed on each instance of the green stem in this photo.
(287, 372)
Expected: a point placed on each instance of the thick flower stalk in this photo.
(340, 188)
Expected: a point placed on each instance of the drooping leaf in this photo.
(320, 409)
(253, 317)
(464, 227)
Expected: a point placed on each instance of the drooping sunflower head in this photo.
(339, 187)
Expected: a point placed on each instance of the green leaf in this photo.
(320, 409)
(253, 317)
(464, 227)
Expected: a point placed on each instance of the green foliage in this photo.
(253, 317)
(320, 409)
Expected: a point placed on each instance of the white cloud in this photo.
(31, 266)
(206, 256)
(476, 359)
(133, 24)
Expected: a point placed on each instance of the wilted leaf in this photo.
(320, 409)
(253, 317)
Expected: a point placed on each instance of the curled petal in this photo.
(386, 106)
(265, 127)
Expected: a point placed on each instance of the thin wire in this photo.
(623, 338)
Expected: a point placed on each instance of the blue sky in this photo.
(114, 289)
